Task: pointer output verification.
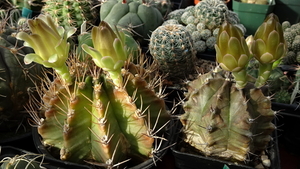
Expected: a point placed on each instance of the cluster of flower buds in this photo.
(233, 51)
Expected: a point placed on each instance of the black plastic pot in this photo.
(192, 161)
(170, 135)
(288, 122)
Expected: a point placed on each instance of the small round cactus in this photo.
(171, 45)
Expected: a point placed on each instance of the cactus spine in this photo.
(105, 112)
(17, 80)
(226, 115)
(172, 47)
(71, 13)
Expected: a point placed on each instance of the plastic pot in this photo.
(252, 15)
(288, 10)
(288, 122)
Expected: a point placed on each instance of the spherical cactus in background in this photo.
(285, 25)
(211, 12)
(139, 18)
(171, 45)
(71, 13)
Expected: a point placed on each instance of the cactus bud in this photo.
(49, 43)
(268, 47)
(232, 52)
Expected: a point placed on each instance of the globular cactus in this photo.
(100, 109)
(171, 46)
(17, 80)
(226, 114)
(292, 37)
(132, 16)
(72, 13)
(205, 18)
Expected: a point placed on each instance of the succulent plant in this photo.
(225, 117)
(17, 80)
(206, 18)
(72, 13)
(172, 47)
(25, 161)
(100, 109)
(291, 35)
(132, 16)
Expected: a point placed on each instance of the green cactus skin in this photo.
(171, 46)
(290, 58)
(133, 16)
(81, 119)
(176, 14)
(298, 57)
(285, 25)
(71, 13)
(17, 80)
(221, 120)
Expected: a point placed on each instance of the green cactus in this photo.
(230, 123)
(17, 80)
(171, 46)
(176, 14)
(211, 13)
(285, 25)
(205, 17)
(101, 109)
(290, 58)
(72, 13)
(227, 115)
(132, 16)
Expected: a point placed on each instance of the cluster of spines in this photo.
(86, 113)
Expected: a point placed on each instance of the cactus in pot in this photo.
(226, 114)
(17, 80)
(100, 109)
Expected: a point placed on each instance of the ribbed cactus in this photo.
(171, 46)
(17, 80)
(228, 116)
(72, 13)
(99, 109)
(139, 18)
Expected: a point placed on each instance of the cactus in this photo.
(101, 109)
(172, 47)
(292, 37)
(25, 161)
(132, 16)
(17, 80)
(72, 13)
(226, 114)
(207, 17)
